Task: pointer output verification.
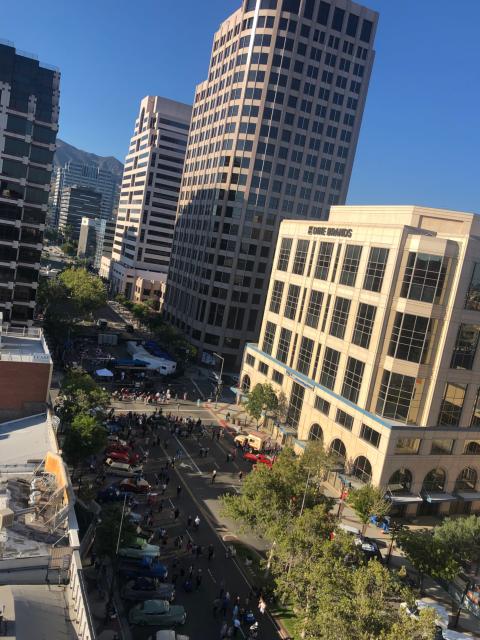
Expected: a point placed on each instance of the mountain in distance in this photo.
(66, 152)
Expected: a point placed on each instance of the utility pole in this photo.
(220, 382)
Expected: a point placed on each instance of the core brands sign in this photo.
(330, 231)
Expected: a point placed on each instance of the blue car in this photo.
(112, 493)
(145, 567)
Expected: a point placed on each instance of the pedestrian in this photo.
(240, 475)
(236, 625)
(197, 522)
(214, 475)
(198, 551)
(235, 611)
(179, 491)
(160, 505)
(223, 630)
(216, 606)
(176, 513)
(189, 522)
(190, 571)
(262, 605)
(198, 578)
(222, 588)
(228, 457)
(210, 552)
(164, 488)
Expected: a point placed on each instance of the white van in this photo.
(115, 468)
(256, 440)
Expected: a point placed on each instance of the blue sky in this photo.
(420, 137)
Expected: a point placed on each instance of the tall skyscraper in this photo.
(77, 202)
(149, 194)
(84, 175)
(371, 331)
(273, 135)
(29, 95)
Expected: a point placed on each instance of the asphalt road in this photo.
(198, 496)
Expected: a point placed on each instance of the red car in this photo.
(120, 453)
(255, 458)
(135, 486)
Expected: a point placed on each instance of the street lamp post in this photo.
(220, 382)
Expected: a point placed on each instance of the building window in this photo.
(452, 405)
(315, 433)
(398, 397)
(246, 384)
(410, 338)
(324, 259)
(475, 421)
(472, 448)
(284, 254)
(370, 435)
(424, 277)
(277, 376)
(345, 419)
(353, 379)
(434, 481)
(377, 261)
(314, 308)
(276, 297)
(339, 319)
(337, 448)
(305, 355)
(362, 469)
(295, 405)
(329, 368)
(407, 446)
(473, 294)
(362, 331)
(465, 347)
(250, 360)
(351, 261)
(269, 337)
(284, 345)
(300, 257)
(292, 302)
(322, 405)
(466, 480)
(442, 447)
(263, 368)
(400, 482)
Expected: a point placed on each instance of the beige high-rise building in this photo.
(149, 196)
(370, 331)
(274, 132)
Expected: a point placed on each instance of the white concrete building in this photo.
(148, 199)
(370, 329)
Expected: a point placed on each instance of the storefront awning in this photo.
(468, 496)
(438, 497)
(407, 498)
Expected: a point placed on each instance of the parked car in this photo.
(138, 548)
(135, 485)
(110, 494)
(117, 446)
(121, 468)
(147, 589)
(158, 613)
(369, 548)
(254, 440)
(441, 613)
(143, 568)
(258, 457)
(124, 456)
(113, 427)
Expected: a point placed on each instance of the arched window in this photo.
(362, 469)
(338, 448)
(315, 432)
(246, 383)
(400, 481)
(467, 480)
(472, 448)
(434, 481)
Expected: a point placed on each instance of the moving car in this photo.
(138, 548)
(143, 568)
(255, 458)
(158, 613)
(135, 485)
(147, 589)
(121, 468)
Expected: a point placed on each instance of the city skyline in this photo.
(412, 127)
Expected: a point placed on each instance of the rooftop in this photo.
(23, 344)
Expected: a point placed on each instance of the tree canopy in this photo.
(85, 437)
(368, 501)
(261, 399)
(80, 394)
(107, 531)
(85, 290)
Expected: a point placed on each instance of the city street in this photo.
(198, 496)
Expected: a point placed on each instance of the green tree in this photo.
(108, 530)
(262, 399)
(81, 394)
(368, 501)
(85, 437)
(86, 291)
(428, 555)
(462, 537)
(317, 460)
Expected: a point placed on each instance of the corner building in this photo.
(29, 110)
(273, 135)
(371, 329)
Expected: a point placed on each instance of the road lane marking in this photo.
(197, 387)
(211, 575)
(189, 456)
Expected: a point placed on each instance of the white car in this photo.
(441, 617)
(139, 549)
